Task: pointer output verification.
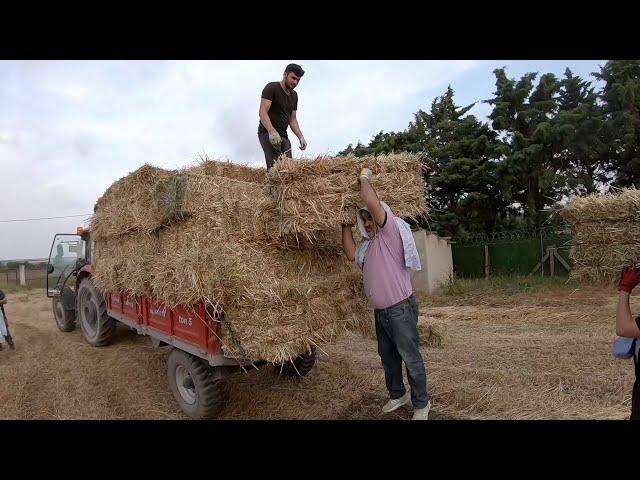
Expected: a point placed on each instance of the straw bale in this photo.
(317, 194)
(124, 264)
(600, 262)
(128, 205)
(606, 234)
(227, 169)
(160, 198)
(276, 321)
(197, 261)
(625, 205)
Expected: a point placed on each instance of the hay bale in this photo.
(168, 198)
(318, 194)
(197, 261)
(276, 321)
(128, 206)
(124, 264)
(605, 231)
(622, 206)
(150, 199)
(227, 169)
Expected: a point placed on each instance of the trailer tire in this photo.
(65, 319)
(97, 326)
(299, 367)
(202, 397)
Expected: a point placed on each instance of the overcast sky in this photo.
(68, 129)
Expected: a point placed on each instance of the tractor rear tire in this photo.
(194, 387)
(65, 319)
(97, 326)
(299, 367)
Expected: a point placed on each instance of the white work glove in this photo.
(365, 173)
(303, 143)
(274, 138)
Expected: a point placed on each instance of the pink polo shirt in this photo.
(386, 279)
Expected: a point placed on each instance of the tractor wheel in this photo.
(65, 319)
(97, 327)
(193, 385)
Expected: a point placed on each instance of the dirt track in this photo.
(540, 355)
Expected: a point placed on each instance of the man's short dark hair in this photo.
(295, 68)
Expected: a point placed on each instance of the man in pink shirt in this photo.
(388, 285)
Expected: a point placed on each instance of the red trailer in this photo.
(196, 363)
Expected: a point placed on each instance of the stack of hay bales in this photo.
(214, 233)
(606, 234)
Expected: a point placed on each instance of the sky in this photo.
(69, 129)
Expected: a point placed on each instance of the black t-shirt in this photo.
(281, 107)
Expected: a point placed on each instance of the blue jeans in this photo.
(398, 341)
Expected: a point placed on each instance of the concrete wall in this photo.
(437, 262)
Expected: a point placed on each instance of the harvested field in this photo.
(519, 349)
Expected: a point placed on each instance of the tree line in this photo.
(547, 138)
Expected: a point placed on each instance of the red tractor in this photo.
(196, 363)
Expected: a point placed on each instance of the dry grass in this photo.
(514, 349)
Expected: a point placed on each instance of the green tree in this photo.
(460, 155)
(579, 126)
(522, 115)
(620, 97)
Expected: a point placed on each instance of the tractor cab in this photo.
(69, 253)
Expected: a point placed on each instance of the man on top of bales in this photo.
(385, 255)
(278, 107)
(629, 329)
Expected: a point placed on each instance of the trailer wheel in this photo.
(97, 326)
(65, 319)
(300, 366)
(193, 385)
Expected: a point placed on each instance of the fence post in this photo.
(23, 277)
(552, 258)
(486, 261)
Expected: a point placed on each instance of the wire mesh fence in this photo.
(543, 252)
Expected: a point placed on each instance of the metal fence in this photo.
(33, 277)
(542, 252)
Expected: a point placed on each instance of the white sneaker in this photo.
(422, 413)
(396, 403)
